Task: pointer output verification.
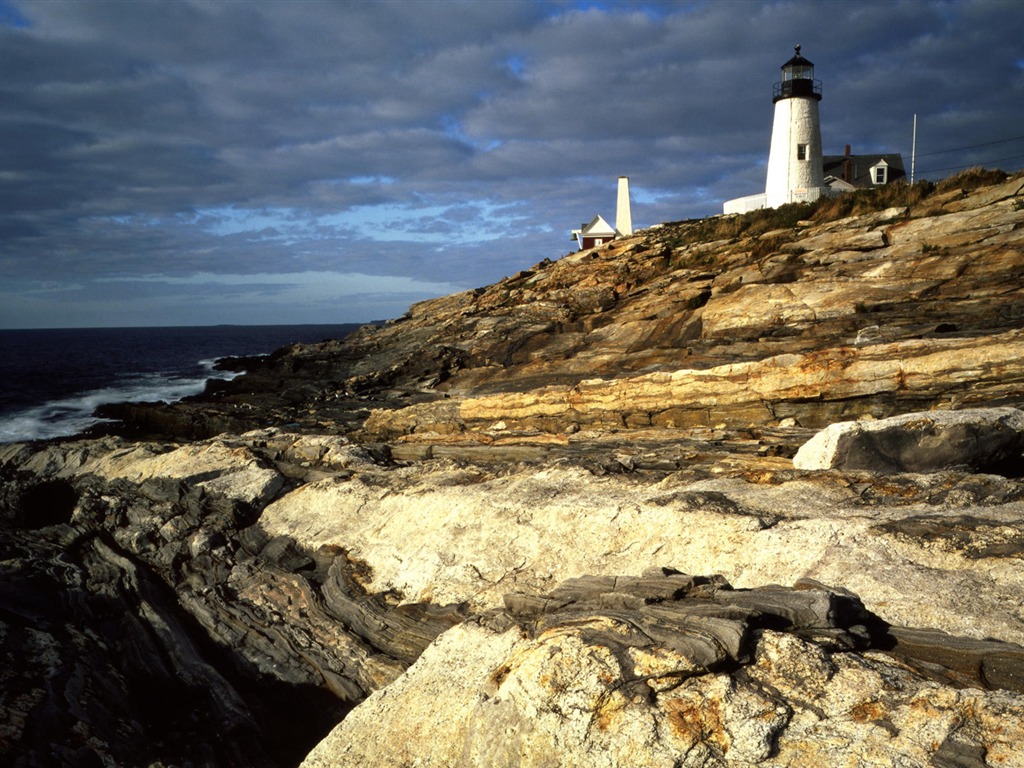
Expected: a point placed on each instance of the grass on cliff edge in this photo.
(862, 201)
(901, 194)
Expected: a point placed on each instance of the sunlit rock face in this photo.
(879, 314)
(674, 671)
(743, 491)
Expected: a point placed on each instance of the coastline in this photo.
(56, 379)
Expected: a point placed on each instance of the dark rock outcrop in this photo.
(153, 623)
(715, 626)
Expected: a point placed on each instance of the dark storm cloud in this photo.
(424, 140)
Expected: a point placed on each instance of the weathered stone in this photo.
(976, 662)
(971, 537)
(131, 594)
(432, 530)
(402, 631)
(599, 689)
(755, 392)
(757, 310)
(982, 440)
(215, 465)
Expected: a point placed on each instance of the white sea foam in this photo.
(71, 415)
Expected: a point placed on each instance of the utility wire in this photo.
(972, 146)
(971, 165)
(967, 147)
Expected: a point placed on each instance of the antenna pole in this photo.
(913, 151)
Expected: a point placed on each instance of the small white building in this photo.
(594, 233)
(598, 231)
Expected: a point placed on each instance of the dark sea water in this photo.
(52, 380)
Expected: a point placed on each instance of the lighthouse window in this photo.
(801, 151)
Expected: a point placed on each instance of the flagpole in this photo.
(913, 151)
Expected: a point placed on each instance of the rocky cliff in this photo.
(799, 313)
(573, 518)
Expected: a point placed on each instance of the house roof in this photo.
(598, 227)
(859, 174)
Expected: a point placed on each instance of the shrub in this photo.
(897, 195)
(755, 223)
(971, 179)
(750, 224)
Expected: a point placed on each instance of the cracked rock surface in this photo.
(190, 615)
(671, 670)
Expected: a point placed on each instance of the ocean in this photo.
(52, 380)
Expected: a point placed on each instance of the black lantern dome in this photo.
(797, 80)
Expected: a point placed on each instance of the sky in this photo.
(201, 162)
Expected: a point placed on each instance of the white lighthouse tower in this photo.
(794, 160)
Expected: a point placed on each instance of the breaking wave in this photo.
(71, 415)
(52, 380)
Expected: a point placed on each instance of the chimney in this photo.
(623, 218)
(846, 164)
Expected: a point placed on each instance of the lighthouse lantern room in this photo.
(797, 79)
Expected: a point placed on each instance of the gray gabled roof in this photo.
(860, 168)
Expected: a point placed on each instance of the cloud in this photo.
(438, 141)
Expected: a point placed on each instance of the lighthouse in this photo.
(794, 160)
(796, 168)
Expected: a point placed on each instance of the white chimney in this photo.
(623, 218)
